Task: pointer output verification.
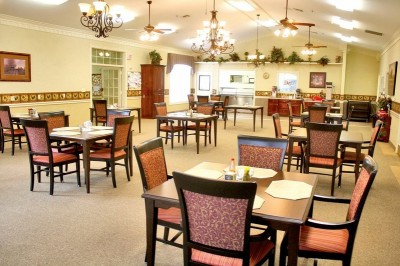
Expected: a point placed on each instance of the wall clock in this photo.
(266, 75)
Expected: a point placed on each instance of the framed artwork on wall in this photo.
(287, 82)
(15, 67)
(391, 79)
(134, 80)
(204, 82)
(97, 89)
(317, 79)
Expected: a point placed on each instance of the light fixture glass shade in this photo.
(84, 7)
(99, 5)
(308, 52)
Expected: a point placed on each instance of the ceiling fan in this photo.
(150, 30)
(309, 45)
(289, 25)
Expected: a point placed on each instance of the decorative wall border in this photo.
(396, 107)
(135, 93)
(334, 96)
(16, 98)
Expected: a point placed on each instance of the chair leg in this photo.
(333, 182)
(13, 145)
(32, 177)
(127, 168)
(51, 180)
(283, 252)
(61, 174)
(78, 172)
(113, 174)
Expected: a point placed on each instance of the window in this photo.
(179, 83)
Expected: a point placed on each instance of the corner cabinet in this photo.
(279, 105)
(152, 88)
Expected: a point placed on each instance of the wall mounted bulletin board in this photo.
(392, 78)
(317, 79)
(15, 67)
(204, 82)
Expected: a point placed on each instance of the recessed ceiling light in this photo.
(346, 24)
(268, 23)
(345, 38)
(242, 5)
(51, 2)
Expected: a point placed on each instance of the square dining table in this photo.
(251, 108)
(85, 138)
(278, 213)
(349, 138)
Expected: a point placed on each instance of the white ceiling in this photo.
(187, 16)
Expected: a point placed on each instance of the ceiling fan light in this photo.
(277, 32)
(293, 32)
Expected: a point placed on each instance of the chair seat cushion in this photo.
(169, 128)
(17, 132)
(171, 215)
(202, 127)
(258, 250)
(296, 151)
(295, 123)
(106, 154)
(323, 240)
(101, 119)
(324, 161)
(57, 158)
(350, 156)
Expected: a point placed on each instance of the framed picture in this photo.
(204, 82)
(134, 80)
(317, 79)
(287, 82)
(392, 78)
(15, 67)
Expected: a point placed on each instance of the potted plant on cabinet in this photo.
(155, 57)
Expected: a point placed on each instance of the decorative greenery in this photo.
(246, 54)
(293, 58)
(234, 57)
(323, 60)
(155, 57)
(384, 103)
(222, 60)
(277, 55)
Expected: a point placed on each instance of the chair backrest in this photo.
(122, 133)
(350, 112)
(262, 152)
(277, 125)
(5, 117)
(226, 100)
(316, 114)
(215, 97)
(331, 103)
(161, 108)
(151, 161)
(54, 119)
(289, 104)
(191, 100)
(374, 137)
(216, 217)
(112, 114)
(323, 140)
(202, 98)
(205, 108)
(37, 136)
(100, 108)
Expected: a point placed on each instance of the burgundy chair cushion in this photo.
(57, 158)
(323, 240)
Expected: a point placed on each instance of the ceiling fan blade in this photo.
(158, 31)
(320, 46)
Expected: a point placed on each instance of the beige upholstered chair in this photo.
(9, 129)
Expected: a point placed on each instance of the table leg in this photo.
(158, 127)
(254, 120)
(289, 159)
(358, 162)
(225, 117)
(198, 136)
(234, 117)
(86, 164)
(293, 234)
(139, 120)
(262, 117)
(151, 231)
(130, 155)
(215, 131)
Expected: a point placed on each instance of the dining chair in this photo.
(118, 149)
(215, 97)
(346, 123)
(322, 149)
(202, 98)
(153, 172)
(297, 152)
(192, 102)
(220, 108)
(317, 114)
(54, 119)
(294, 121)
(9, 129)
(334, 240)
(349, 156)
(100, 111)
(216, 219)
(41, 154)
(205, 127)
(262, 152)
(168, 126)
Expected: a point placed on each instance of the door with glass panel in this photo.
(111, 80)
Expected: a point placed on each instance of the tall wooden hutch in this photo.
(152, 88)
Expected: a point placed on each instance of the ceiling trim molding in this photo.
(65, 31)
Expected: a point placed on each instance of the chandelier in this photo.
(213, 39)
(257, 58)
(99, 19)
(289, 28)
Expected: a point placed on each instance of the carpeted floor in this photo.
(107, 226)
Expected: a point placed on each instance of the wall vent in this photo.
(374, 32)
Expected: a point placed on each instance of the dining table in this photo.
(332, 117)
(84, 138)
(252, 108)
(138, 110)
(184, 117)
(348, 138)
(276, 210)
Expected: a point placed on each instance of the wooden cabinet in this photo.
(361, 111)
(280, 106)
(152, 88)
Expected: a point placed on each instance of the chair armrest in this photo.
(328, 225)
(330, 199)
(169, 177)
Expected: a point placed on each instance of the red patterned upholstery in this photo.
(216, 222)
(168, 126)
(316, 114)
(7, 129)
(335, 240)
(41, 154)
(205, 127)
(262, 157)
(153, 171)
(118, 150)
(112, 114)
(100, 110)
